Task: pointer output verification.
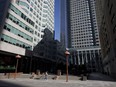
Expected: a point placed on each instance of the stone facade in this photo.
(108, 36)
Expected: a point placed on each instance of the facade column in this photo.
(82, 57)
(90, 60)
(75, 58)
(78, 58)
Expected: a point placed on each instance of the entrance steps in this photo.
(21, 75)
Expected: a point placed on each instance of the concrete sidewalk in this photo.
(19, 82)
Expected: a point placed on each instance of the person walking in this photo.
(46, 75)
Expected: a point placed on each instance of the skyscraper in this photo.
(42, 12)
(82, 31)
(63, 23)
(107, 31)
(22, 23)
(99, 11)
(83, 26)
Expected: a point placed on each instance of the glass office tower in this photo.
(22, 23)
(63, 23)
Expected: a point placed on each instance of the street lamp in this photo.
(17, 57)
(67, 53)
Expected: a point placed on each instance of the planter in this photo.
(6, 69)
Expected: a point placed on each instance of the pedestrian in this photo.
(46, 75)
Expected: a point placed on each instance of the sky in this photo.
(57, 19)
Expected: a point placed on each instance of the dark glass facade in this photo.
(63, 23)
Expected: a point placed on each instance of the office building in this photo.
(49, 54)
(108, 36)
(63, 23)
(99, 11)
(22, 23)
(83, 24)
(82, 29)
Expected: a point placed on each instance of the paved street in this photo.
(24, 82)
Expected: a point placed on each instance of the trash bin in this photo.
(84, 78)
(59, 72)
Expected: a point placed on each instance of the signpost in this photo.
(17, 57)
(67, 54)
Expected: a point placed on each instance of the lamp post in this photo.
(67, 53)
(17, 57)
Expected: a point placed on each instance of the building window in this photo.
(17, 32)
(14, 41)
(23, 4)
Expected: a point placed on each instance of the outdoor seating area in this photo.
(44, 76)
(36, 76)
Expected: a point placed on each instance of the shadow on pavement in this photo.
(9, 84)
(100, 77)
